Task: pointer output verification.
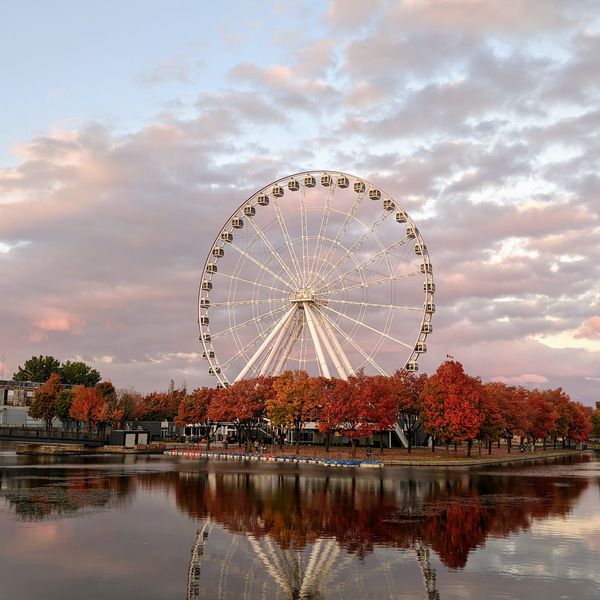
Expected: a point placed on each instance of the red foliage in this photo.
(450, 404)
(88, 407)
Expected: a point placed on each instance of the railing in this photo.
(53, 434)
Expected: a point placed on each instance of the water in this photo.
(161, 528)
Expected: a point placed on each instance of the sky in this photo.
(131, 130)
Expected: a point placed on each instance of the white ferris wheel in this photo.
(319, 271)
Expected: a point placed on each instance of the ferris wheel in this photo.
(319, 271)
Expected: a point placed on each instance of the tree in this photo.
(493, 425)
(293, 402)
(560, 401)
(44, 402)
(542, 417)
(579, 425)
(38, 369)
(512, 402)
(195, 409)
(78, 373)
(595, 421)
(408, 388)
(450, 404)
(113, 413)
(325, 391)
(88, 407)
(64, 401)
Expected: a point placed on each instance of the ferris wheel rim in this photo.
(205, 332)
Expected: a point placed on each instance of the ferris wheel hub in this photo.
(303, 295)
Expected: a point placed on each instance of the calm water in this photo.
(152, 528)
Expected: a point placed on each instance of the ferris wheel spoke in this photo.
(288, 240)
(260, 265)
(242, 351)
(321, 234)
(347, 220)
(383, 333)
(371, 283)
(368, 234)
(373, 305)
(253, 283)
(370, 260)
(370, 360)
(303, 234)
(246, 302)
(237, 326)
(271, 249)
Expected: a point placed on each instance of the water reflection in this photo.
(306, 534)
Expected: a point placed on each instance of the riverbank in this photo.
(415, 459)
(33, 449)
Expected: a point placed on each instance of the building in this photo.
(17, 393)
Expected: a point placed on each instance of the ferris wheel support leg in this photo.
(336, 345)
(327, 343)
(265, 344)
(295, 334)
(316, 341)
(277, 345)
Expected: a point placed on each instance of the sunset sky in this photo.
(130, 131)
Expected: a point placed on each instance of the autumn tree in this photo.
(325, 392)
(408, 388)
(560, 400)
(242, 403)
(450, 404)
(579, 423)
(195, 409)
(512, 402)
(88, 407)
(44, 401)
(493, 425)
(114, 413)
(38, 369)
(360, 406)
(595, 422)
(293, 403)
(542, 416)
(159, 406)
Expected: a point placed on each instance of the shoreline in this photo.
(418, 461)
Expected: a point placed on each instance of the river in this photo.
(164, 528)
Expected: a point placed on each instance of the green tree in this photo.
(78, 373)
(64, 401)
(44, 402)
(37, 368)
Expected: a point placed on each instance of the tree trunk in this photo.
(508, 444)
(327, 440)
(490, 447)
(433, 444)
(353, 448)
(480, 444)
(298, 425)
(469, 447)
(447, 448)
(409, 438)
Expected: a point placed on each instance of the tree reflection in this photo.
(63, 493)
(452, 514)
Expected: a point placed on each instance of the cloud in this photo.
(589, 330)
(524, 379)
(104, 232)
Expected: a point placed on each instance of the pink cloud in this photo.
(589, 330)
(525, 378)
